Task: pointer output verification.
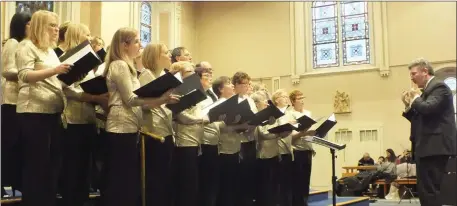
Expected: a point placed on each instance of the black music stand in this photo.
(332, 146)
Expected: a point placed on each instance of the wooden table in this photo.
(353, 170)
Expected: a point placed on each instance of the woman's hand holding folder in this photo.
(62, 69)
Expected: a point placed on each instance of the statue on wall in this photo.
(342, 103)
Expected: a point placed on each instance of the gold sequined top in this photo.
(10, 88)
(125, 113)
(157, 120)
(285, 144)
(45, 96)
(78, 112)
(267, 143)
(188, 127)
(229, 140)
(211, 131)
(301, 144)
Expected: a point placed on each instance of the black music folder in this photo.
(191, 91)
(159, 86)
(262, 117)
(95, 86)
(58, 51)
(187, 101)
(102, 54)
(305, 122)
(189, 84)
(220, 107)
(283, 128)
(83, 58)
(244, 110)
(326, 126)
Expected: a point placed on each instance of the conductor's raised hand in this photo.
(62, 69)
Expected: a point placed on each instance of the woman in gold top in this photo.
(39, 106)
(267, 151)
(189, 131)
(229, 150)
(156, 58)
(124, 120)
(19, 28)
(81, 130)
(303, 154)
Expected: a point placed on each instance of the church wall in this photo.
(255, 37)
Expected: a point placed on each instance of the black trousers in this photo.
(208, 177)
(41, 140)
(159, 171)
(301, 173)
(285, 180)
(247, 189)
(430, 172)
(76, 163)
(11, 147)
(122, 170)
(185, 176)
(229, 179)
(98, 155)
(267, 181)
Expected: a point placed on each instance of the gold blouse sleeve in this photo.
(8, 58)
(121, 75)
(26, 60)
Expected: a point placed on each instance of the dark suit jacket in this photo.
(433, 129)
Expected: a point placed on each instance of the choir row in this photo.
(54, 133)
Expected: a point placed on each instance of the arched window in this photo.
(145, 23)
(33, 6)
(338, 25)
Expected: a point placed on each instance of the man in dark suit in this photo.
(433, 130)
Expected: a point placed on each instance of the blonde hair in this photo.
(277, 94)
(116, 52)
(96, 40)
(259, 96)
(151, 55)
(75, 35)
(39, 25)
(181, 66)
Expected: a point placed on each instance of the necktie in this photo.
(210, 94)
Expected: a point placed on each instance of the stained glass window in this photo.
(33, 6)
(325, 34)
(355, 33)
(145, 24)
(340, 25)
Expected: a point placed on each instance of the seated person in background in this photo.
(381, 160)
(366, 160)
(405, 157)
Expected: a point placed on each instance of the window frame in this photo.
(302, 41)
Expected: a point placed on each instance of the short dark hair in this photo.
(240, 76)
(176, 52)
(18, 23)
(219, 83)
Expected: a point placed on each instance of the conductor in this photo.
(433, 131)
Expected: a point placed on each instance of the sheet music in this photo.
(206, 109)
(81, 53)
